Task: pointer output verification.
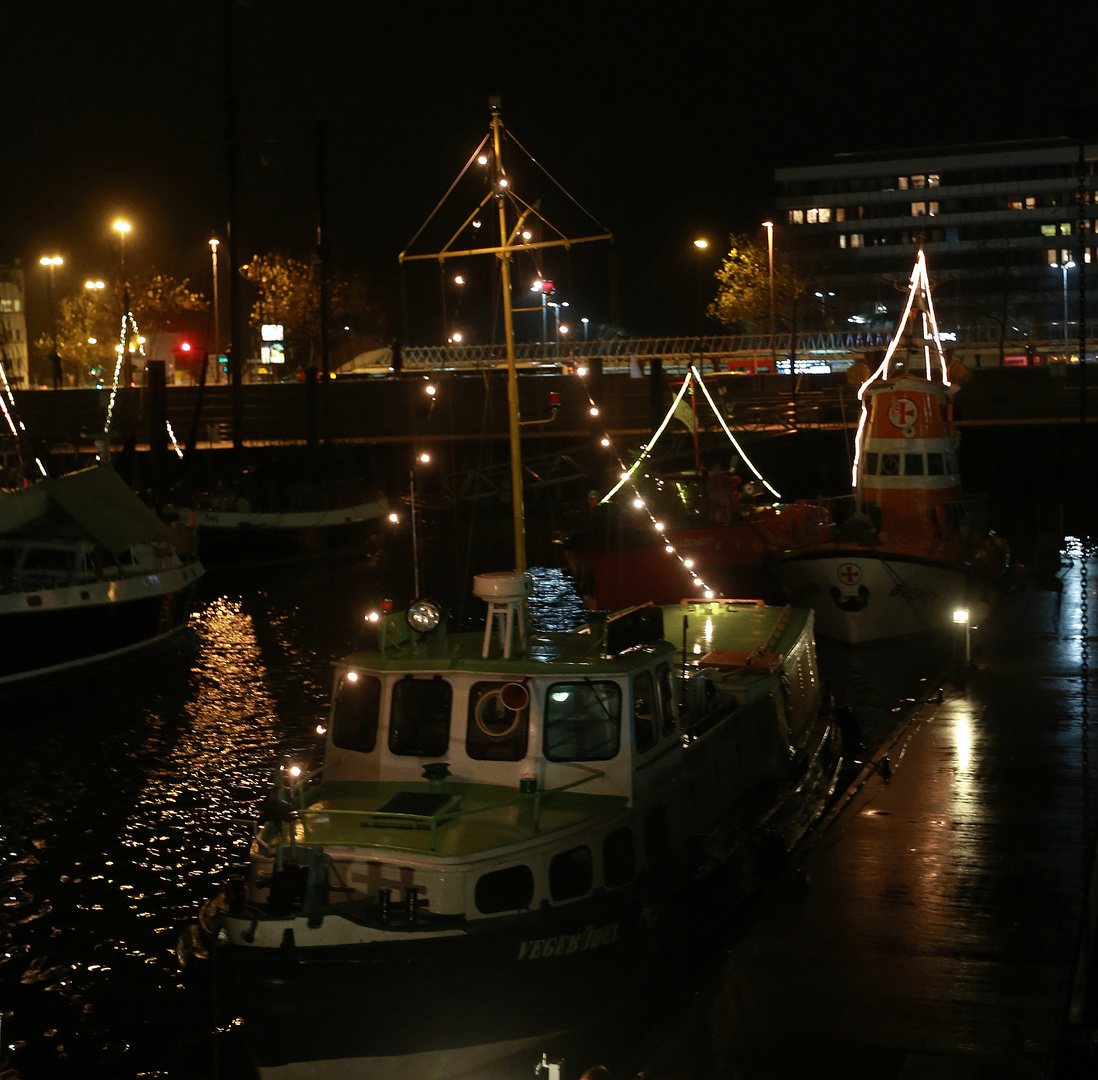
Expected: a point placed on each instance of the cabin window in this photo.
(619, 858)
(667, 698)
(871, 463)
(496, 731)
(890, 464)
(645, 732)
(510, 889)
(571, 874)
(419, 724)
(935, 466)
(582, 721)
(355, 712)
(913, 464)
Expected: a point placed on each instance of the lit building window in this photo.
(918, 181)
(840, 213)
(796, 217)
(825, 214)
(918, 209)
(1048, 230)
(933, 180)
(1031, 202)
(1051, 254)
(1065, 255)
(857, 239)
(902, 183)
(1065, 228)
(812, 216)
(842, 240)
(933, 208)
(1014, 204)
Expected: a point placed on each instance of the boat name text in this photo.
(591, 938)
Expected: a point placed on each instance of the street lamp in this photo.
(1065, 266)
(49, 262)
(769, 226)
(122, 228)
(216, 312)
(822, 296)
(960, 616)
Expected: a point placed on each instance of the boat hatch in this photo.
(738, 660)
(632, 628)
(418, 804)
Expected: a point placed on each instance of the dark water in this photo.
(126, 794)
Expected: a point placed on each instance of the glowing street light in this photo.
(1065, 266)
(701, 243)
(216, 313)
(769, 226)
(51, 262)
(960, 615)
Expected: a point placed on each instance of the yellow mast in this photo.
(518, 509)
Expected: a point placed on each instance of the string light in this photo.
(127, 321)
(918, 285)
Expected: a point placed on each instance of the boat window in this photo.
(510, 889)
(913, 464)
(645, 735)
(619, 858)
(582, 721)
(355, 712)
(890, 464)
(935, 466)
(419, 724)
(494, 731)
(667, 698)
(571, 874)
(871, 460)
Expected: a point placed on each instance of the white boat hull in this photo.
(861, 596)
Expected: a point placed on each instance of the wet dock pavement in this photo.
(937, 925)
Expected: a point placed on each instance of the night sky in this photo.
(664, 125)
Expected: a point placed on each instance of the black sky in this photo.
(663, 124)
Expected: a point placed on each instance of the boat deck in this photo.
(942, 923)
(461, 820)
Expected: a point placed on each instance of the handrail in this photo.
(380, 818)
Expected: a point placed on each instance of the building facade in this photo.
(1006, 228)
(13, 325)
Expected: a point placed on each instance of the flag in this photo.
(635, 369)
(684, 413)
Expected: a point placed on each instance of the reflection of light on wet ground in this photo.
(962, 734)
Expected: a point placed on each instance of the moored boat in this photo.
(528, 812)
(908, 548)
(87, 572)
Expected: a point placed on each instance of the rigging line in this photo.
(555, 181)
(449, 192)
(528, 210)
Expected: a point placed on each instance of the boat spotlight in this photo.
(424, 615)
(373, 616)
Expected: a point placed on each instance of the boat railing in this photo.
(382, 818)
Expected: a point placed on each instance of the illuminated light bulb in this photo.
(709, 594)
(394, 517)
(658, 526)
(352, 676)
(594, 410)
(294, 771)
(457, 339)
(605, 441)
(321, 729)
(503, 181)
(688, 563)
(476, 224)
(697, 583)
(430, 390)
(482, 159)
(425, 457)
(581, 371)
(93, 341)
(458, 279)
(669, 549)
(638, 503)
(527, 234)
(374, 616)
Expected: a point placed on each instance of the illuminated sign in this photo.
(271, 332)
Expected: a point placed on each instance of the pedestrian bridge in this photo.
(978, 346)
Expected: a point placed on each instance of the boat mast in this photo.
(518, 510)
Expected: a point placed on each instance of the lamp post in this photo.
(1064, 266)
(585, 321)
(123, 227)
(769, 226)
(49, 262)
(823, 306)
(216, 310)
(960, 616)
